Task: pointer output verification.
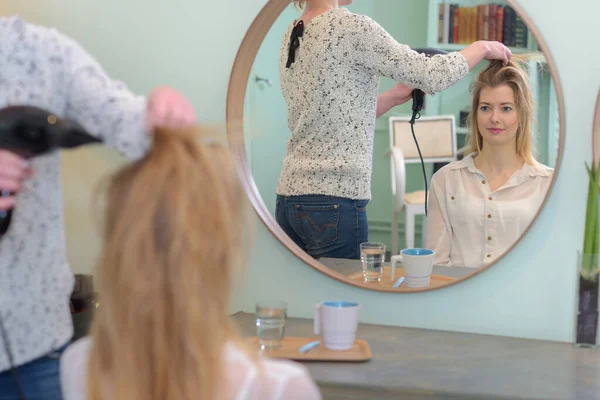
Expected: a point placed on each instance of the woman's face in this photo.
(497, 116)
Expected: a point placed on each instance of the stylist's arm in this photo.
(13, 171)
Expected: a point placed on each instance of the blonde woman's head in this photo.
(174, 225)
(502, 110)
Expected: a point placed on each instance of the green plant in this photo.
(591, 239)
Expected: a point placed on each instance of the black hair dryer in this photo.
(418, 96)
(30, 132)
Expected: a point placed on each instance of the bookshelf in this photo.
(506, 27)
(453, 24)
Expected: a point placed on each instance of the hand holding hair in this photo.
(168, 108)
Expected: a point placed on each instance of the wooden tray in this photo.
(386, 280)
(290, 346)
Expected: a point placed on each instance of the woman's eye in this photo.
(507, 108)
(484, 108)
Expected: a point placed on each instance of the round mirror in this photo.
(338, 164)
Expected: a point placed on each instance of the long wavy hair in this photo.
(513, 75)
(174, 233)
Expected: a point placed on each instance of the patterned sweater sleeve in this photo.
(377, 51)
(106, 107)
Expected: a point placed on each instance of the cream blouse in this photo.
(246, 380)
(467, 224)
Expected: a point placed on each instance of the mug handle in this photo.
(317, 320)
(395, 259)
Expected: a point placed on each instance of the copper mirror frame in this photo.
(235, 115)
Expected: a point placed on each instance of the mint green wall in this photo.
(529, 293)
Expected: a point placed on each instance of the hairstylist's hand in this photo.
(167, 107)
(397, 95)
(13, 171)
(497, 51)
(400, 93)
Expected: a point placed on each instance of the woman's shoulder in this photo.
(265, 378)
(73, 369)
(543, 170)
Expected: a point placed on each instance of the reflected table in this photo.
(441, 276)
(349, 267)
(427, 364)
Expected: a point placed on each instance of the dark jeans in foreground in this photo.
(40, 379)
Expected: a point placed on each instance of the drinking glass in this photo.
(372, 256)
(270, 323)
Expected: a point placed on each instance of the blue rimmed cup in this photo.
(417, 265)
(337, 322)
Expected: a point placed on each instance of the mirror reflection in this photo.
(345, 150)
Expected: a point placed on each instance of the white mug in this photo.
(337, 322)
(417, 265)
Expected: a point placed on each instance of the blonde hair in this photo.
(172, 240)
(513, 75)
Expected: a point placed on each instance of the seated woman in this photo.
(175, 224)
(479, 206)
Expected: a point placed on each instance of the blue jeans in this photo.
(40, 379)
(324, 226)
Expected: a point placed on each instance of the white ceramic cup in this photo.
(417, 265)
(337, 322)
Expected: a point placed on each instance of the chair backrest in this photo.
(436, 136)
(398, 178)
(437, 140)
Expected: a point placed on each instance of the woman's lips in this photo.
(495, 130)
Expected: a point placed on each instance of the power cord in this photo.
(418, 98)
(13, 369)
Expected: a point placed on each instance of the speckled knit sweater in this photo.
(331, 92)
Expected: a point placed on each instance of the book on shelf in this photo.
(464, 25)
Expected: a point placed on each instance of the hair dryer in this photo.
(29, 132)
(418, 98)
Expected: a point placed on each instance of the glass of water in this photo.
(270, 323)
(372, 256)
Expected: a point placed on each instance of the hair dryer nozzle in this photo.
(30, 131)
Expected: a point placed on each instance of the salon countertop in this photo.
(347, 267)
(427, 364)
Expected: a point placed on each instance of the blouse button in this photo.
(490, 198)
(483, 182)
(489, 256)
(489, 238)
(489, 215)
(452, 197)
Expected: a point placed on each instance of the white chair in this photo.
(437, 140)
